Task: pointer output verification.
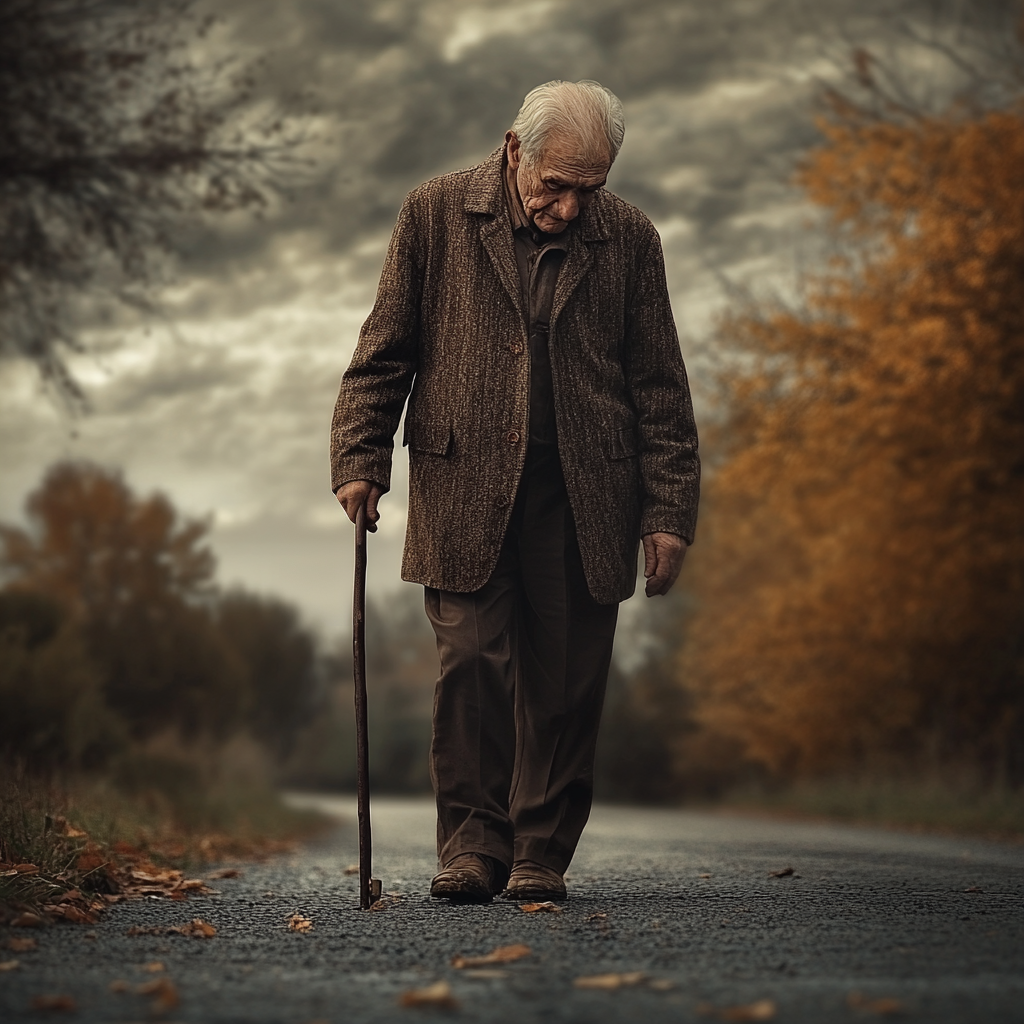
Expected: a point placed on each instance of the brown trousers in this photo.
(524, 665)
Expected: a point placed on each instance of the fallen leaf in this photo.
(783, 873)
(884, 1006)
(119, 985)
(27, 920)
(352, 869)
(486, 975)
(69, 830)
(153, 968)
(763, 1009)
(198, 928)
(974, 888)
(501, 955)
(22, 945)
(26, 869)
(610, 982)
(165, 991)
(65, 1003)
(72, 913)
(90, 859)
(597, 917)
(298, 923)
(705, 875)
(439, 994)
(661, 984)
(9, 965)
(191, 883)
(224, 873)
(540, 908)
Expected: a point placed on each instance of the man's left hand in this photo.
(663, 558)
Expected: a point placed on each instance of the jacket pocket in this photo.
(622, 444)
(431, 438)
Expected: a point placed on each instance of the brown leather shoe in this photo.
(531, 881)
(469, 878)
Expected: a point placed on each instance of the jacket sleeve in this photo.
(378, 380)
(669, 463)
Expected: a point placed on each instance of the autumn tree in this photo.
(137, 578)
(862, 595)
(115, 127)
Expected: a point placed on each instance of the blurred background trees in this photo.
(114, 632)
(861, 569)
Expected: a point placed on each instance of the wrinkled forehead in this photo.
(574, 159)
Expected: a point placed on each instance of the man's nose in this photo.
(568, 206)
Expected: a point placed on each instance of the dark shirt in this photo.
(539, 258)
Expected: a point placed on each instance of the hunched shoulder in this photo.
(622, 218)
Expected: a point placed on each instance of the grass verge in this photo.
(91, 839)
(947, 807)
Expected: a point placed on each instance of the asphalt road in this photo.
(870, 923)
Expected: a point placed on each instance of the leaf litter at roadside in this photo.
(164, 992)
(297, 923)
(438, 995)
(19, 945)
(546, 907)
(500, 955)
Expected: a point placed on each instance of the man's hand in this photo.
(354, 493)
(663, 558)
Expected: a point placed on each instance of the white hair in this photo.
(586, 110)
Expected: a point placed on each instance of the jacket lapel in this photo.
(496, 235)
(485, 194)
(577, 259)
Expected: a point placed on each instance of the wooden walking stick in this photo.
(369, 887)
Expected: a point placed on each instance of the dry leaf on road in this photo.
(27, 920)
(763, 1009)
(119, 985)
(298, 923)
(164, 990)
(884, 1006)
(610, 982)
(783, 873)
(501, 955)
(9, 965)
(22, 945)
(439, 994)
(352, 869)
(597, 917)
(65, 1003)
(540, 908)
(224, 873)
(154, 967)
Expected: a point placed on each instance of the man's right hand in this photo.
(355, 493)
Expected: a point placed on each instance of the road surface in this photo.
(682, 906)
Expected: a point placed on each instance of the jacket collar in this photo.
(485, 193)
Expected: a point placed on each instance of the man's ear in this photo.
(512, 148)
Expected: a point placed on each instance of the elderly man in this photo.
(549, 429)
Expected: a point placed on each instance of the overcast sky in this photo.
(225, 405)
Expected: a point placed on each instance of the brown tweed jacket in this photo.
(448, 325)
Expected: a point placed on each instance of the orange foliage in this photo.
(863, 584)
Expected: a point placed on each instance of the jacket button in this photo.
(513, 437)
(501, 501)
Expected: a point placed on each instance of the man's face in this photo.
(558, 183)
